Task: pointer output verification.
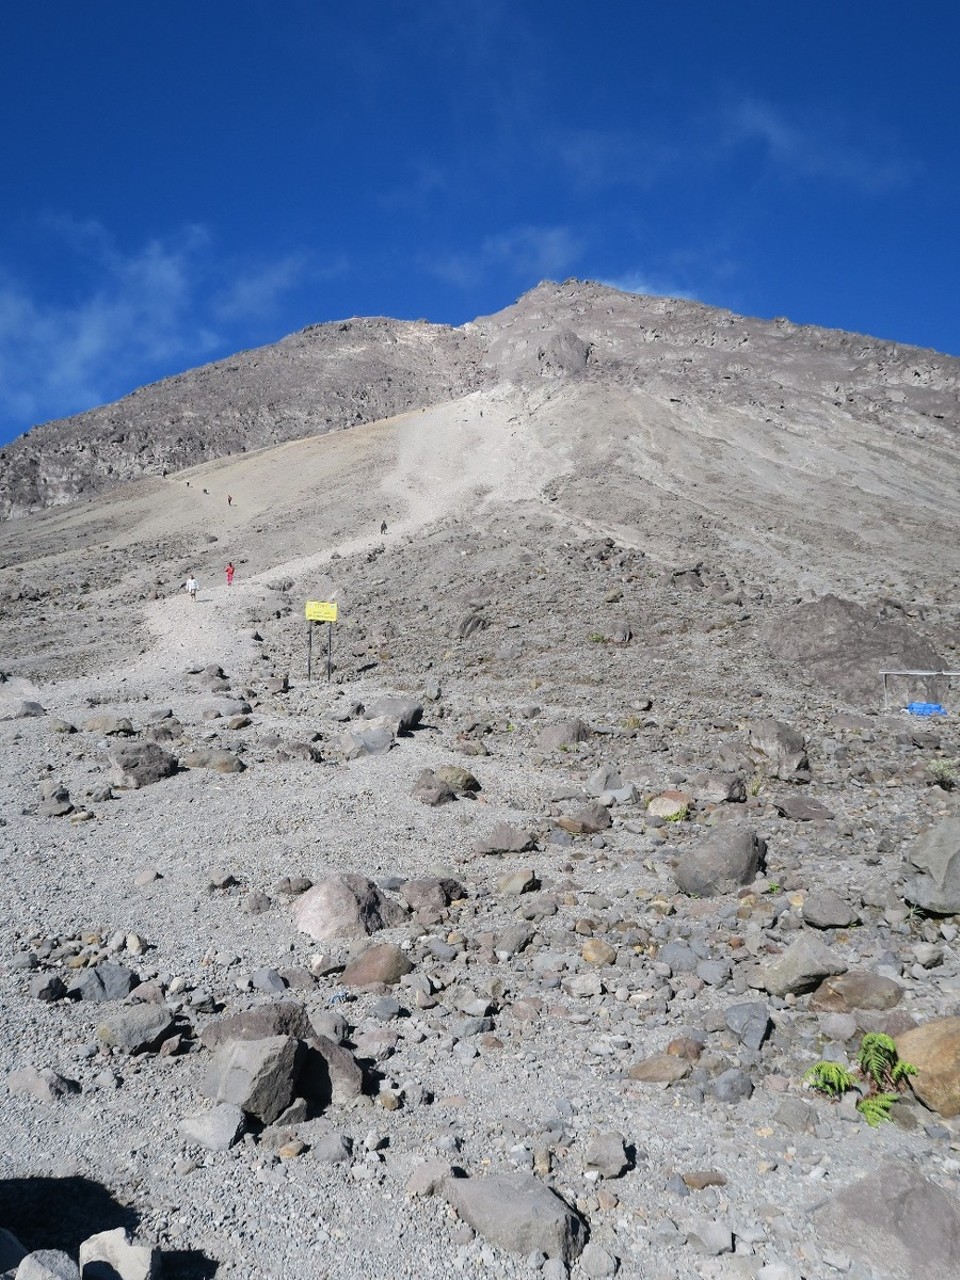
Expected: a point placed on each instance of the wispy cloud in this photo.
(643, 282)
(257, 291)
(819, 147)
(527, 253)
(596, 160)
(140, 314)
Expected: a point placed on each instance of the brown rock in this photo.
(856, 989)
(660, 1068)
(596, 951)
(383, 962)
(934, 1049)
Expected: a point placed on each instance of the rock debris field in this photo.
(510, 948)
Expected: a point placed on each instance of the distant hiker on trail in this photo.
(230, 572)
(229, 499)
(193, 586)
(383, 526)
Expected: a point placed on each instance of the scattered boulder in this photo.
(216, 758)
(372, 737)
(384, 962)
(431, 893)
(607, 1154)
(803, 965)
(105, 981)
(405, 713)
(855, 989)
(458, 779)
(671, 805)
(217, 1130)
(933, 868)
(826, 910)
(44, 1084)
(588, 821)
(563, 736)
(934, 1049)
(519, 1213)
(111, 726)
(345, 906)
(256, 1075)
(48, 1264)
(722, 862)
(505, 839)
(802, 809)
(779, 749)
(260, 1022)
(137, 1029)
(430, 789)
(139, 764)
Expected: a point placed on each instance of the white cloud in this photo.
(257, 290)
(528, 253)
(142, 314)
(820, 147)
(642, 282)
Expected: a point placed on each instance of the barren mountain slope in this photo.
(331, 376)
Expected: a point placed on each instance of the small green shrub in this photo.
(879, 1067)
(944, 773)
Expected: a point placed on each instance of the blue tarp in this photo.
(926, 709)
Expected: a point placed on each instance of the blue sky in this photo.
(181, 181)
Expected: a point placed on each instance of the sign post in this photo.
(320, 611)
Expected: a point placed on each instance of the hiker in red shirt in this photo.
(230, 572)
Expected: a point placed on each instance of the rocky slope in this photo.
(509, 948)
(701, 362)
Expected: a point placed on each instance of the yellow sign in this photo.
(321, 611)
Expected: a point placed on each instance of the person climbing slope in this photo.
(230, 572)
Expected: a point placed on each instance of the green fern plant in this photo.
(881, 1070)
(831, 1078)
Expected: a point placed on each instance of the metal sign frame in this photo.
(884, 674)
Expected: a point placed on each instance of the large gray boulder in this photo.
(136, 1029)
(259, 1076)
(778, 749)
(803, 966)
(404, 713)
(722, 862)
(345, 906)
(895, 1220)
(933, 868)
(138, 764)
(373, 737)
(518, 1213)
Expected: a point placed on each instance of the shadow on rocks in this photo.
(60, 1213)
(187, 1264)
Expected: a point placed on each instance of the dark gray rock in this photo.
(749, 1022)
(406, 713)
(732, 1085)
(106, 981)
(722, 862)
(518, 1213)
(803, 966)
(259, 1076)
(217, 1130)
(844, 646)
(139, 764)
(139, 1028)
(827, 910)
(48, 1264)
